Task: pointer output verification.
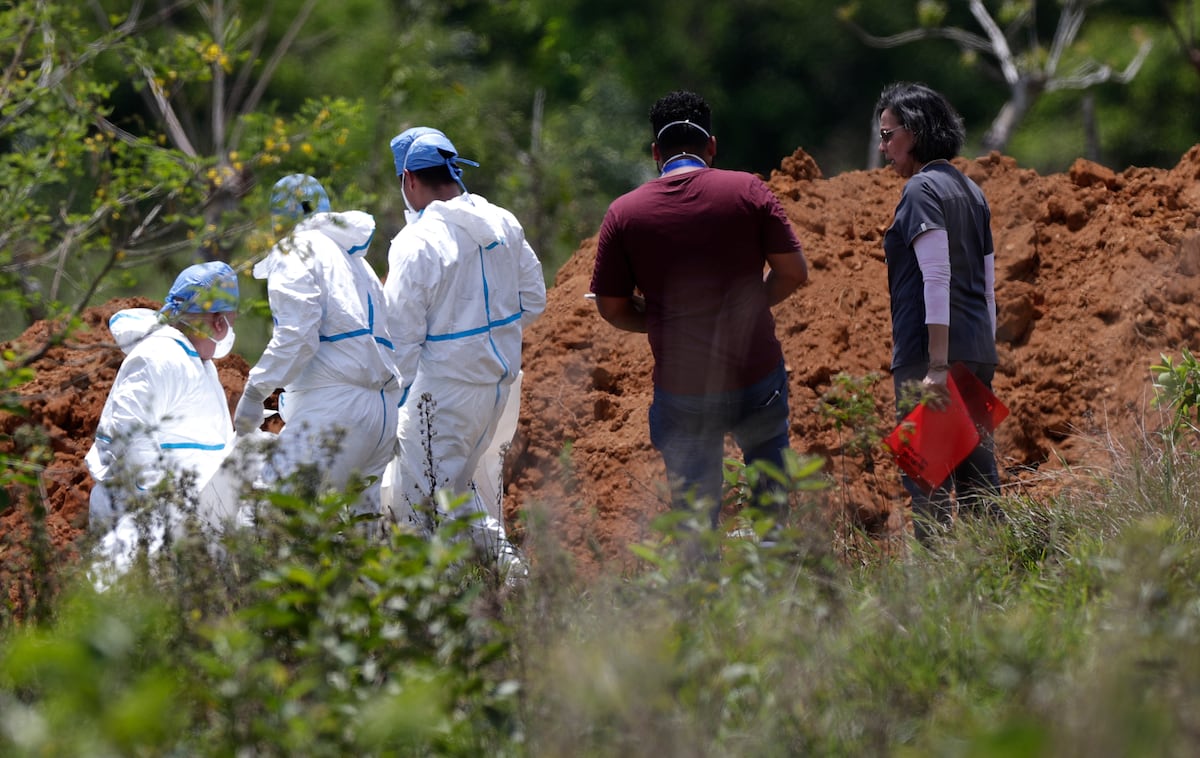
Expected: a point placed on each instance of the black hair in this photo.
(936, 128)
(681, 105)
(434, 176)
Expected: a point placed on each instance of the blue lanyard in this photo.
(683, 159)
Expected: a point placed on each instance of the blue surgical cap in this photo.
(425, 147)
(298, 195)
(203, 288)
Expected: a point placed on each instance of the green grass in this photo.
(1074, 629)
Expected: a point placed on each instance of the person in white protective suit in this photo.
(462, 284)
(165, 429)
(329, 348)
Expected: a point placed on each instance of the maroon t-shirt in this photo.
(695, 244)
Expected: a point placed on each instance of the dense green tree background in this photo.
(140, 134)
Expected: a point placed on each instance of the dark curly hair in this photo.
(936, 128)
(681, 105)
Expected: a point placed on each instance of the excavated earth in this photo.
(1095, 275)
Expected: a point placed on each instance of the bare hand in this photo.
(935, 390)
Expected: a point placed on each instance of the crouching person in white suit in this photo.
(165, 429)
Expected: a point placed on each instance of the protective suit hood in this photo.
(473, 214)
(351, 231)
(132, 325)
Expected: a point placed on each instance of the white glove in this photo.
(248, 417)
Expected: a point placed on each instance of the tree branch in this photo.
(1091, 73)
(998, 46)
(1069, 23)
(272, 64)
(964, 38)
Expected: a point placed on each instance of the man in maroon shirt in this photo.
(681, 258)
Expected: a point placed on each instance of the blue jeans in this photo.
(689, 431)
(975, 482)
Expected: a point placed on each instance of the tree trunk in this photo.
(1008, 119)
(1091, 134)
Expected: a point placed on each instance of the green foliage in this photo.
(343, 644)
(301, 636)
(1177, 388)
(1071, 627)
(850, 404)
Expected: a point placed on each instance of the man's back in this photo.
(462, 283)
(695, 244)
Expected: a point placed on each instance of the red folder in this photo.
(928, 444)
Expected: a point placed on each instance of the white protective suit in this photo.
(165, 414)
(462, 284)
(331, 352)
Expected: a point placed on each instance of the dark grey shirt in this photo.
(940, 197)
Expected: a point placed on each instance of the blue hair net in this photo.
(203, 288)
(298, 195)
(425, 147)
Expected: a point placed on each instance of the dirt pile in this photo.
(1094, 275)
(1095, 271)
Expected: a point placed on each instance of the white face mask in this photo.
(225, 344)
(410, 215)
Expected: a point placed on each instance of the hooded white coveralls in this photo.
(331, 352)
(166, 413)
(462, 284)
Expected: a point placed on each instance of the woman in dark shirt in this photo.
(941, 275)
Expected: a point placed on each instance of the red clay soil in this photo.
(1095, 271)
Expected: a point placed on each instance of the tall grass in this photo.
(1073, 629)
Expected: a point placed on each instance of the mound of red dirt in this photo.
(1095, 271)
(1094, 274)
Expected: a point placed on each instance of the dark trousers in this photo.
(689, 431)
(975, 482)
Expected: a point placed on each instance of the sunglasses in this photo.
(885, 135)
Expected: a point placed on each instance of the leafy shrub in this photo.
(1177, 387)
(300, 636)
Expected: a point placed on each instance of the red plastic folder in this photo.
(929, 443)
